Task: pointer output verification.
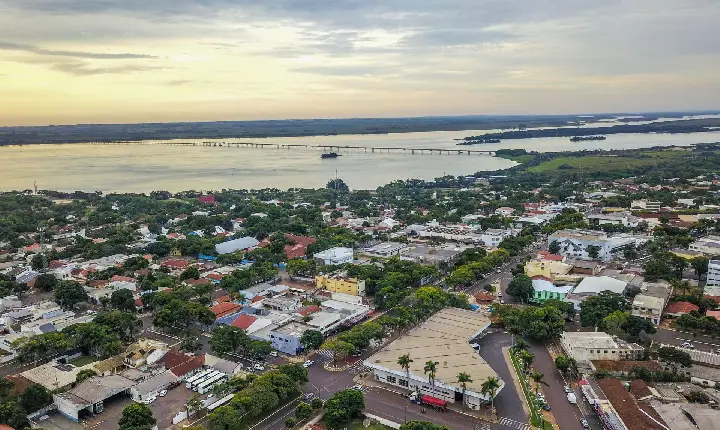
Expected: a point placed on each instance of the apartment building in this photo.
(338, 283)
(587, 346)
(712, 287)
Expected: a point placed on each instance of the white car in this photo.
(357, 387)
(162, 393)
(308, 363)
(273, 353)
(687, 345)
(259, 367)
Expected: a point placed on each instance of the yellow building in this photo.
(341, 284)
(547, 268)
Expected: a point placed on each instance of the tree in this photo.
(191, 272)
(227, 339)
(259, 349)
(630, 253)
(13, 414)
(190, 343)
(527, 358)
(194, 404)
(430, 369)
(337, 185)
(490, 388)
(698, 396)
(225, 418)
(69, 293)
(700, 265)
(122, 300)
(521, 345)
(297, 372)
(84, 374)
(316, 403)
(521, 287)
(46, 282)
(404, 361)
(303, 411)
(554, 247)
(542, 324)
(137, 416)
(39, 262)
(463, 379)
(613, 323)
(538, 378)
(338, 348)
(311, 339)
(674, 357)
(636, 325)
(565, 364)
(460, 277)
(35, 397)
(342, 407)
(290, 422)
(594, 309)
(593, 251)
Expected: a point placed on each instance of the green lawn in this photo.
(84, 360)
(519, 158)
(605, 162)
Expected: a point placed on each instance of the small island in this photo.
(478, 141)
(584, 138)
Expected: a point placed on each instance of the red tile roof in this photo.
(188, 366)
(214, 276)
(222, 309)
(176, 264)
(223, 299)
(99, 283)
(546, 255)
(56, 264)
(200, 281)
(244, 321)
(118, 278)
(713, 314)
(207, 199)
(256, 299)
(626, 406)
(716, 298)
(307, 310)
(299, 249)
(680, 308)
(639, 389)
(484, 296)
(139, 303)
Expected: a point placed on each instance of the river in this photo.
(144, 168)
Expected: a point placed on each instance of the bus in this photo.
(210, 383)
(202, 374)
(200, 381)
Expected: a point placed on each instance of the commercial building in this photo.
(241, 244)
(651, 301)
(624, 219)
(712, 286)
(709, 245)
(444, 338)
(432, 255)
(459, 233)
(587, 346)
(592, 286)
(334, 256)
(337, 283)
(386, 249)
(286, 339)
(151, 387)
(89, 397)
(547, 268)
(578, 243)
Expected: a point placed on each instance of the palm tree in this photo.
(683, 286)
(527, 358)
(520, 345)
(490, 387)
(430, 370)
(538, 378)
(404, 362)
(463, 378)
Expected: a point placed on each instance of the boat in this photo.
(330, 155)
(584, 138)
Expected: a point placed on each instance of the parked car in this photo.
(258, 366)
(687, 345)
(567, 389)
(585, 424)
(162, 393)
(357, 387)
(273, 353)
(309, 396)
(308, 363)
(547, 407)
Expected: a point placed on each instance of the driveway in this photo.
(508, 402)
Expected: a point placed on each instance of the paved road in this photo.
(700, 342)
(508, 402)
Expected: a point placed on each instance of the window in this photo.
(605, 351)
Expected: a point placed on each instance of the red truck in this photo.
(433, 402)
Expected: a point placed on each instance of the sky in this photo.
(122, 61)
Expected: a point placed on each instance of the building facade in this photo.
(712, 286)
(339, 284)
(587, 346)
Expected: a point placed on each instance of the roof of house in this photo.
(628, 409)
(192, 363)
(200, 281)
(222, 309)
(244, 321)
(118, 278)
(596, 284)
(222, 299)
(157, 382)
(543, 285)
(484, 296)
(714, 314)
(680, 307)
(688, 416)
(177, 264)
(307, 310)
(639, 389)
(546, 255)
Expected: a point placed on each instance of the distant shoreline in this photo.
(81, 133)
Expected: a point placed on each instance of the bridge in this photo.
(324, 148)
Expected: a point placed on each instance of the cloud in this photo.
(8, 46)
(85, 69)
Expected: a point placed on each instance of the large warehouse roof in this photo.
(443, 338)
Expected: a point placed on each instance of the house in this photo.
(592, 286)
(297, 248)
(676, 309)
(123, 282)
(207, 200)
(633, 415)
(175, 264)
(543, 290)
(585, 267)
(286, 339)
(335, 256)
(713, 314)
(649, 304)
(222, 309)
(484, 298)
(547, 268)
(181, 365)
(504, 211)
(242, 244)
(341, 284)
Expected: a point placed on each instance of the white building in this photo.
(621, 218)
(241, 244)
(443, 338)
(712, 287)
(386, 249)
(334, 256)
(645, 204)
(577, 243)
(587, 346)
(651, 301)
